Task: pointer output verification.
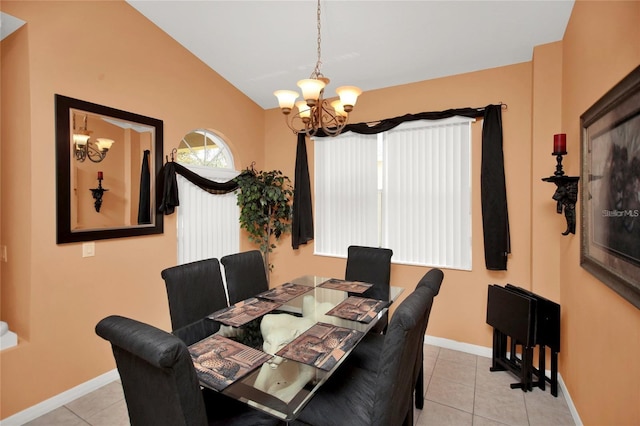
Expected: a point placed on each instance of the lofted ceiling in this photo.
(262, 46)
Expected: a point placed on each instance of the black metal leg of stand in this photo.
(527, 367)
(499, 350)
(525, 370)
(554, 373)
(541, 366)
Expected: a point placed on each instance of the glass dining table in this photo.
(275, 350)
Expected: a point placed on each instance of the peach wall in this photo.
(51, 295)
(460, 311)
(546, 119)
(601, 330)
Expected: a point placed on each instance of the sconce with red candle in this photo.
(566, 194)
(98, 193)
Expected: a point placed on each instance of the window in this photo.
(203, 148)
(208, 224)
(408, 189)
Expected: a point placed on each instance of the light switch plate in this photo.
(88, 249)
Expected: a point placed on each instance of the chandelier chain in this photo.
(316, 71)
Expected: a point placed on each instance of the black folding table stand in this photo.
(527, 320)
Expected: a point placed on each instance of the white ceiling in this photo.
(262, 46)
(8, 24)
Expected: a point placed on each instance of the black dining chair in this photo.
(367, 354)
(432, 280)
(194, 290)
(245, 275)
(359, 397)
(371, 265)
(160, 383)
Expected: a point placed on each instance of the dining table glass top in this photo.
(275, 350)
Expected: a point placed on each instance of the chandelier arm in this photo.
(80, 154)
(289, 120)
(330, 122)
(94, 154)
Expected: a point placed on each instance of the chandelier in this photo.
(314, 112)
(84, 148)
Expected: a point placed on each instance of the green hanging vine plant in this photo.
(265, 208)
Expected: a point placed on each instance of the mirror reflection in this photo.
(107, 161)
(118, 153)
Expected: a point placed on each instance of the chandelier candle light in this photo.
(314, 112)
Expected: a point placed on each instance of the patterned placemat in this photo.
(285, 292)
(359, 309)
(220, 361)
(350, 286)
(244, 311)
(321, 346)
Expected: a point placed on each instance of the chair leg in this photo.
(419, 393)
(408, 420)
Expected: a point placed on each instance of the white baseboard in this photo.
(61, 399)
(458, 346)
(572, 407)
(487, 353)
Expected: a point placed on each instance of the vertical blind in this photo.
(407, 189)
(346, 193)
(207, 224)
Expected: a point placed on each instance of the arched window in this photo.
(208, 224)
(202, 147)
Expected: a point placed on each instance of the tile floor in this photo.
(460, 390)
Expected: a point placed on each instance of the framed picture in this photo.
(610, 195)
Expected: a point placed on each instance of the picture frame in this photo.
(610, 188)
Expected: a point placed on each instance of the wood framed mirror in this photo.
(107, 163)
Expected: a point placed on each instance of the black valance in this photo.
(168, 186)
(494, 197)
(389, 123)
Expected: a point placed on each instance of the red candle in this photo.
(560, 143)
(99, 175)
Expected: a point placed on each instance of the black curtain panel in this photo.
(302, 221)
(495, 217)
(144, 205)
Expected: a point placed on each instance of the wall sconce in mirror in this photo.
(84, 147)
(98, 192)
(130, 207)
(566, 194)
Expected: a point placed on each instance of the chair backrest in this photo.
(194, 290)
(158, 378)
(371, 265)
(431, 280)
(395, 382)
(245, 275)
